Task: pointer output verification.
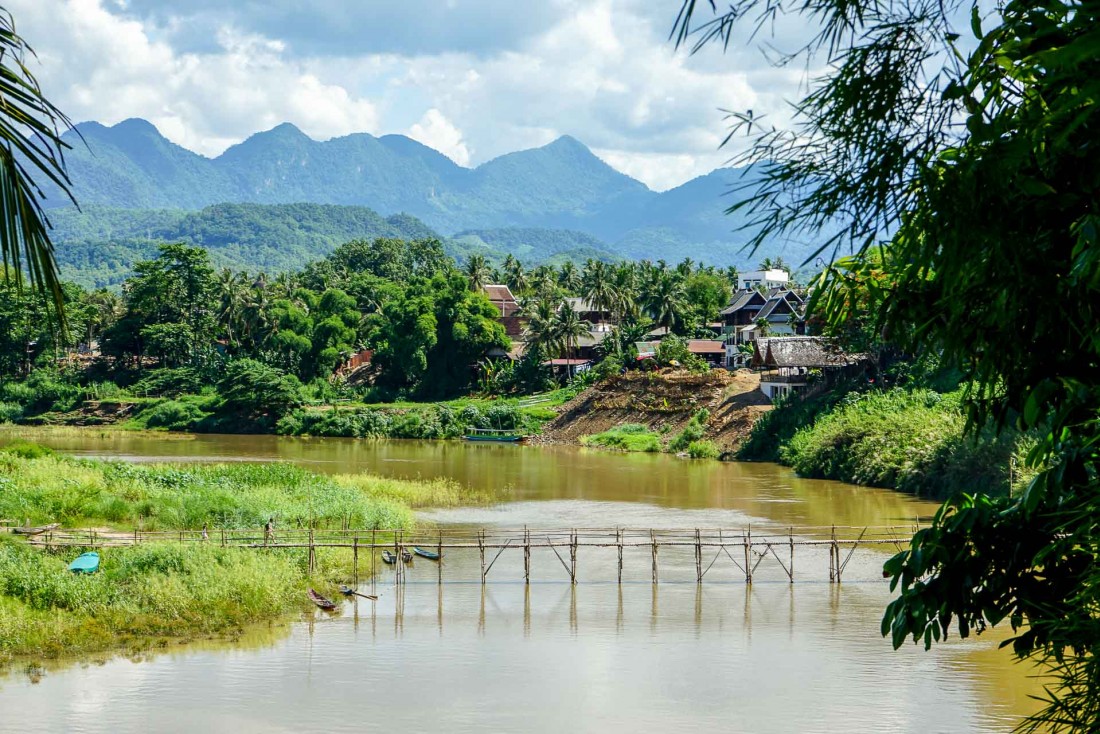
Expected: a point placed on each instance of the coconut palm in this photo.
(477, 272)
(766, 264)
(515, 275)
(540, 324)
(568, 278)
(665, 300)
(30, 146)
(230, 290)
(568, 328)
(597, 285)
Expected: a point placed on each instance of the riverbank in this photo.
(656, 411)
(912, 440)
(153, 595)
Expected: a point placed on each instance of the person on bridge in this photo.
(269, 531)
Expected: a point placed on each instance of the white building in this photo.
(766, 278)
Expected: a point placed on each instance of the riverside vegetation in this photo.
(148, 595)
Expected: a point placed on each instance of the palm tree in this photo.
(230, 289)
(780, 264)
(568, 328)
(542, 281)
(477, 272)
(767, 264)
(30, 144)
(514, 274)
(597, 286)
(686, 267)
(540, 324)
(568, 277)
(665, 300)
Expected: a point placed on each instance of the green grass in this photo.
(140, 596)
(911, 440)
(147, 595)
(627, 437)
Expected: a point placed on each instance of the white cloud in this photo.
(602, 71)
(436, 131)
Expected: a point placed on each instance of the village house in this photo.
(751, 312)
(788, 363)
(600, 319)
(765, 279)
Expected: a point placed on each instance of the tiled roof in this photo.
(706, 346)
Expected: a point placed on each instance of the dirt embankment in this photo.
(664, 402)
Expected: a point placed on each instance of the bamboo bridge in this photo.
(745, 548)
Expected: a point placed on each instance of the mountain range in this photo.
(560, 186)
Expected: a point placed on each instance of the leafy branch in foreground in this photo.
(975, 166)
(30, 144)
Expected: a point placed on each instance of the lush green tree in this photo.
(430, 339)
(568, 278)
(255, 390)
(977, 162)
(170, 308)
(597, 285)
(568, 327)
(706, 293)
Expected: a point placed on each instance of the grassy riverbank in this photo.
(636, 437)
(153, 594)
(906, 439)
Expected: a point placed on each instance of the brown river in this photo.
(553, 657)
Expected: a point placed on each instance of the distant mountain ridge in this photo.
(561, 186)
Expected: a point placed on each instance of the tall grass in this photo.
(143, 592)
(56, 488)
(911, 440)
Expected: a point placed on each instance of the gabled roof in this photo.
(706, 346)
(583, 305)
(744, 299)
(799, 351)
(499, 293)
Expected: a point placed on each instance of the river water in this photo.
(552, 657)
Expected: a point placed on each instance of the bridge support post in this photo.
(481, 549)
(573, 557)
(698, 557)
(439, 560)
(746, 541)
(790, 537)
(526, 555)
(619, 541)
(653, 544)
(355, 559)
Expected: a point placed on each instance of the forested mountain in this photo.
(99, 246)
(562, 185)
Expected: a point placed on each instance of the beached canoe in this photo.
(430, 555)
(388, 557)
(85, 563)
(321, 601)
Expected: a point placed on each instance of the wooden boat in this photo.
(321, 601)
(348, 591)
(406, 556)
(36, 531)
(85, 563)
(493, 435)
(388, 557)
(430, 555)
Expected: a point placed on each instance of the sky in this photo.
(473, 79)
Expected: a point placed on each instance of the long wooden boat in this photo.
(406, 556)
(85, 563)
(321, 601)
(430, 555)
(36, 531)
(388, 557)
(493, 435)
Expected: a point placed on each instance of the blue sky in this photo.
(471, 78)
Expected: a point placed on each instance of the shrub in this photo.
(693, 431)
(27, 450)
(173, 415)
(10, 412)
(627, 437)
(255, 389)
(703, 450)
(169, 382)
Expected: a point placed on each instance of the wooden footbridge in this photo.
(745, 548)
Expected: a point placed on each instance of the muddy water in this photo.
(551, 657)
